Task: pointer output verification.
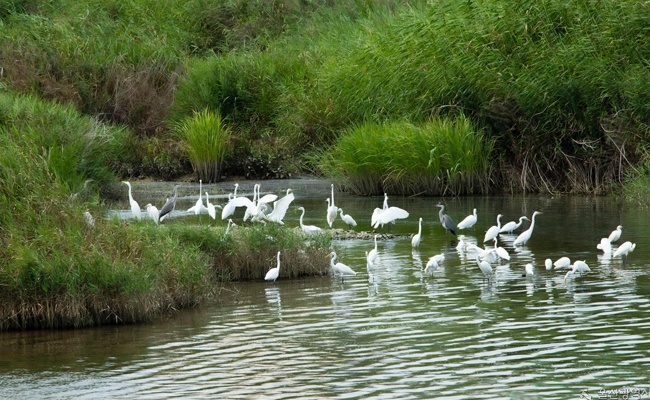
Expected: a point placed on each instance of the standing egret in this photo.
(135, 208)
(562, 263)
(433, 263)
(493, 232)
(387, 215)
(308, 229)
(530, 271)
(332, 210)
(524, 236)
(624, 249)
(512, 225)
(484, 266)
(347, 218)
(605, 245)
(212, 209)
(153, 213)
(280, 208)
(341, 268)
(446, 220)
(198, 208)
(373, 254)
(616, 234)
(549, 264)
(578, 267)
(468, 222)
(415, 241)
(170, 204)
(273, 273)
(370, 264)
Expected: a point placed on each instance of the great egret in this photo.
(212, 209)
(468, 222)
(273, 273)
(616, 234)
(373, 254)
(415, 241)
(433, 263)
(578, 267)
(280, 208)
(170, 204)
(524, 236)
(370, 264)
(387, 215)
(233, 203)
(347, 218)
(341, 268)
(251, 208)
(624, 249)
(446, 220)
(198, 208)
(332, 210)
(153, 212)
(484, 266)
(135, 208)
(562, 263)
(605, 245)
(493, 232)
(308, 229)
(512, 225)
(549, 264)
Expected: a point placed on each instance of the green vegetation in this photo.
(441, 157)
(205, 136)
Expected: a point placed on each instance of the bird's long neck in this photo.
(302, 215)
(234, 194)
(442, 208)
(532, 222)
(332, 260)
(375, 242)
(129, 185)
(420, 227)
(278, 261)
(332, 195)
(499, 221)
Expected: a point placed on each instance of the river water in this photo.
(397, 333)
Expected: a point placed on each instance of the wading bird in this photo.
(512, 225)
(387, 215)
(616, 234)
(579, 268)
(347, 218)
(562, 263)
(446, 220)
(332, 210)
(433, 263)
(468, 222)
(530, 271)
(280, 208)
(548, 263)
(212, 209)
(493, 231)
(135, 208)
(170, 204)
(625, 249)
(341, 268)
(605, 245)
(273, 273)
(415, 241)
(524, 236)
(373, 254)
(198, 208)
(153, 212)
(308, 229)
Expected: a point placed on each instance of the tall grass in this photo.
(205, 136)
(440, 157)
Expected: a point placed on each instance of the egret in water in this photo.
(625, 249)
(273, 273)
(347, 218)
(280, 208)
(433, 263)
(530, 271)
(387, 215)
(605, 245)
(373, 254)
(616, 234)
(549, 264)
(445, 220)
(170, 204)
(512, 225)
(562, 263)
(341, 268)
(578, 267)
(468, 222)
(493, 231)
(198, 208)
(370, 265)
(415, 241)
(484, 266)
(308, 229)
(332, 210)
(524, 236)
(135, 208)
(153, 212)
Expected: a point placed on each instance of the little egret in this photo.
(445, 220)
(524, 236)
(135, 208)
(493, 231)
(562, 263)
(341, 268)
(415, 241)
(624, 249)
(373, 254)
(280, 208)
(153, 212)
(170, 204)
(332, 210)
(468, 222)
(512, 225)
(616, 234)
(347, 218)
(273, 273)
(308, 229)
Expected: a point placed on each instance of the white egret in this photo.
(153, 212)
(332, 210)
(273, 273)
(512, 225)
(199, 208)
(530, 271)
(461, 243)
(251, 208)
(616, 234)
(484, 266)
(524, 236)
(341, 268)
(370, 264)
(605, 245)
(415, 241)
(562, 263)
(233, 204)
(493, 231)
(389, 215)
(169, 205)
(373, 254)
(445, 220)
(135, 208)
(549, 264)
(308, 229)
(624, 249)
(578, 267)
(212, 209)
(468, 222)
(433, 263)
(347, 218)
(280, 208)
(230, 223)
